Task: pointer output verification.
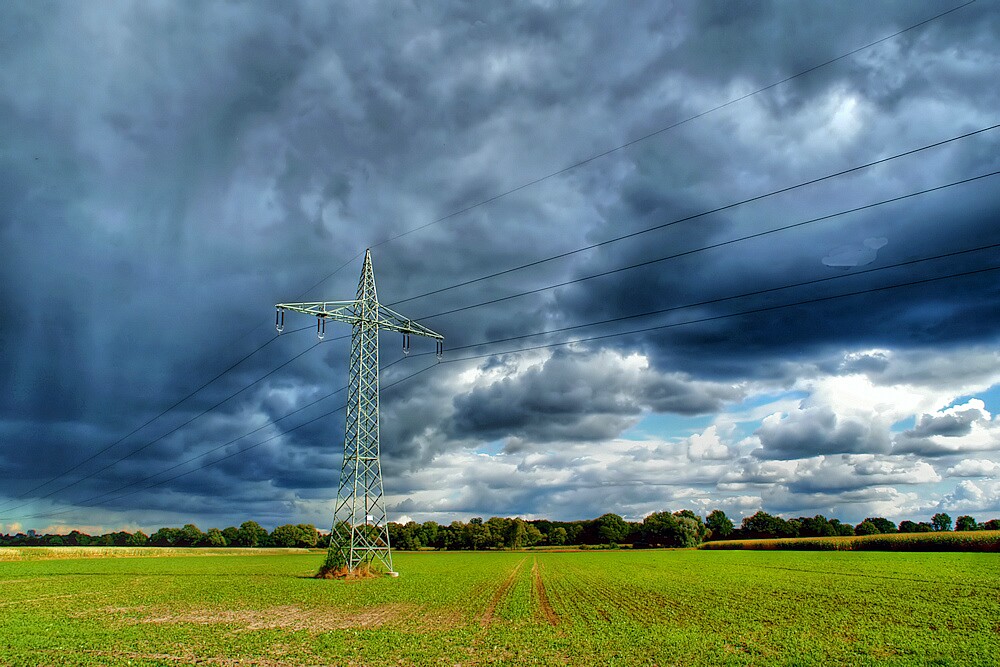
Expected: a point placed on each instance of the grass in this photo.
(54, 553)
(685, 607)
(983, 540)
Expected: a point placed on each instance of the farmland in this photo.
(686, 607)
(982, 540)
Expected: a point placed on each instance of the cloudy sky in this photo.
(796, 339)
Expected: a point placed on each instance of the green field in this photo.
(685, 607)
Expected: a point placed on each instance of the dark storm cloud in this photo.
(952, 312)
(819, 430)
(950, 425)
(941, 370)
(957, 431)
(169, 172)
(839, 474)
(544, 403)
(960, 310)
(931, 448)
(579, 397)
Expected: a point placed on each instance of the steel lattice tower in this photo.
(360, 532)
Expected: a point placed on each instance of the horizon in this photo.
(736, 257)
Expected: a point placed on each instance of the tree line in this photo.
(683, 528)
(678, 529)
(249, 534)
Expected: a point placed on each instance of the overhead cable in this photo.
(709, 247)
(702, 214)
(654, 133)
(576, 341)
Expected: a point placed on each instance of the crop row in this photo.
(985, 540)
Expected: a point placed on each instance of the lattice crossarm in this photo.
(393, 321)
(341, 311)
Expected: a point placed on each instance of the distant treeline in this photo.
(678, 529)
(249, 534)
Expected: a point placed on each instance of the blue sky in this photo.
(760, 241)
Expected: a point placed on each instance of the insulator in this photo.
(320, 328)
(279, 320)
(406, 344)
(440, 350)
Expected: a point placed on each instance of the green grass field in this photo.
(685, 607)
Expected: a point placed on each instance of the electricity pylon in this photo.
(360, 532)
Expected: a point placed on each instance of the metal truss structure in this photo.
(360, 529)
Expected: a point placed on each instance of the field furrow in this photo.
(544, 606)
(501, 593)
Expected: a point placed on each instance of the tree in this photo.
(498, 530)
(232, 535)
(456, 536)
(76, 538)
(941, 521)
(992, 524)
(404, 538)
(517, 534)
(965, 522)
(841, 529)
(429, 534)
(907, 526)
(137, 539)
(763, 525)
(251, 534)
(308, 536)
(663, 528)
(558, 536)
(688, 514)
(285, 536)
(164, 537)
(719, 524)
(883, 524)
(817, 526)
(479, 536)
(213, 538)
(866, 527)
(611, 529)
(188, 536)
(117, 539)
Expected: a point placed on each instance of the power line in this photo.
(751, 311)
(577, 280)
(709, 302)
(581, 279)
(150, 421)
(702, 214)
(528, 184)
(170, 432)
(533, 182)
(226, 444)
(521, 187)
(709, 247)
(303, 293)
(494, 198)
(649, 135)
